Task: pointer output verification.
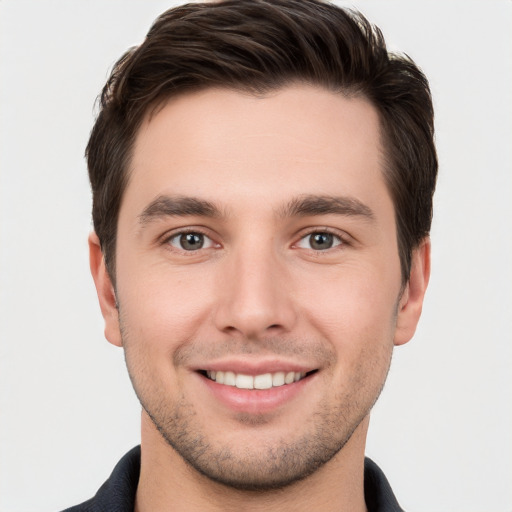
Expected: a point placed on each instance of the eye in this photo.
(319, 241)
(191, 241)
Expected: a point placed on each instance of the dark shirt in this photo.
(117, 494)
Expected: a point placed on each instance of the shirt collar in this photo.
(117, 494)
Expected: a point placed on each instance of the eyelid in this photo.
(343, 237)
(169, 235)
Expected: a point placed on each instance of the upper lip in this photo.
(248, 367)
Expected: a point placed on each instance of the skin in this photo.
(258, 295)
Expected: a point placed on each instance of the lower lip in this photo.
(256, 401)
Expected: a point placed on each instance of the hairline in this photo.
(349, 92)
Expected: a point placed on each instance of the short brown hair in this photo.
(259, 46)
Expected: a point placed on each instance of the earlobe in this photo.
(105, 291)
(411, 302)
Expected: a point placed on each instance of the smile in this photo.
(263, 381)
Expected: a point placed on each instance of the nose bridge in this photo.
(254, 297)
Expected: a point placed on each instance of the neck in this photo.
(167, 482)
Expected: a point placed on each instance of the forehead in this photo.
(225, 145)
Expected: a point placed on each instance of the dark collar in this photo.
(117, 494)
(378, 494)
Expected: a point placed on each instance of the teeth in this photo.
(244, 381)
(229, 379)
(264, 381)
(278, 379)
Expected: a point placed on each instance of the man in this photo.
(262, 177)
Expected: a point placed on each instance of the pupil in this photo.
(321, 241)
(191, 241)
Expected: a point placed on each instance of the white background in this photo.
(442, 429)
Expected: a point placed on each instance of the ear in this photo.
(105, 291)
(411, 301)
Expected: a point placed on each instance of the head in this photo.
(259, 47)
(262, 178)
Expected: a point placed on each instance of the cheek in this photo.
(352, 303)
(163, 306)
(155, 321)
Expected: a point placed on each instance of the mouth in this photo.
(262, 381)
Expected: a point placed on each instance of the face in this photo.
(258, 279)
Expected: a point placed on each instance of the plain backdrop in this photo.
(442, 428)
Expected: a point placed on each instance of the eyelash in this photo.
(343, 240)
(168, 237)
(340, 242)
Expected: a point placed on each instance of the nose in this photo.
(255, 295)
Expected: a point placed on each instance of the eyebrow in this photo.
(177, 206)
(302, 206)
(307, 205)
